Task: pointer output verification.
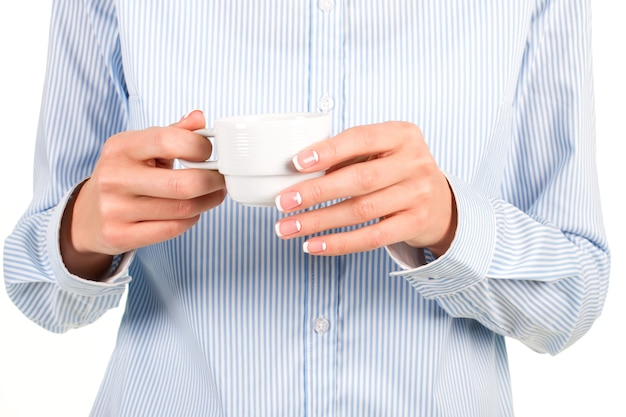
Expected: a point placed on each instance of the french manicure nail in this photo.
(287, 227)
(305, 160)
(288, 201)
(188, 114)
(314, 247)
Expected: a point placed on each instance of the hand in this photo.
(384, 172)
(135, 199)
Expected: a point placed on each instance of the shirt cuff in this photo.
(467, 260)
(117, 278)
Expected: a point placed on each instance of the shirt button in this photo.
(321, 325)
(326, 5)
(326, 103)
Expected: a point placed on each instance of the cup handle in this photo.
(207, 133)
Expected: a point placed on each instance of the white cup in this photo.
(254, 153)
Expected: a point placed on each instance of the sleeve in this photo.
(84, 102)
(533, 263)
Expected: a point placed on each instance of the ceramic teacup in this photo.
(254, 152)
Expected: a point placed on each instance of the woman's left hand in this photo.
(383, 172)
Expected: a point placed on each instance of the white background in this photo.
(44, 374)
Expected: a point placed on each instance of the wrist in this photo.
(88, 265)
(445, 221)
(444, 243)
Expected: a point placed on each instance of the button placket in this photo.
(325, 87)
(327, 59)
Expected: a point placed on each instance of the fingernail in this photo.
(315, 246)
(187, 115)
(287, 227)
(288, 201)
(305, 159)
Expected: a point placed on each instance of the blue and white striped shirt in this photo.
(228, 319)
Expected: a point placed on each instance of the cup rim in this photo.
(271, 117)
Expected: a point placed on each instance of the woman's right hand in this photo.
(134, 198)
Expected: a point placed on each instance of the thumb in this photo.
(191, 121)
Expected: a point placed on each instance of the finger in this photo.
(343, 164)
(161, 183)
(351, 181)
(152, 209)
(158, 143)
(383, 233)
(191, 121)
(140, 234)
(354, 143)
(350, 212)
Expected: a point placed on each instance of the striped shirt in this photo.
(228, 319)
